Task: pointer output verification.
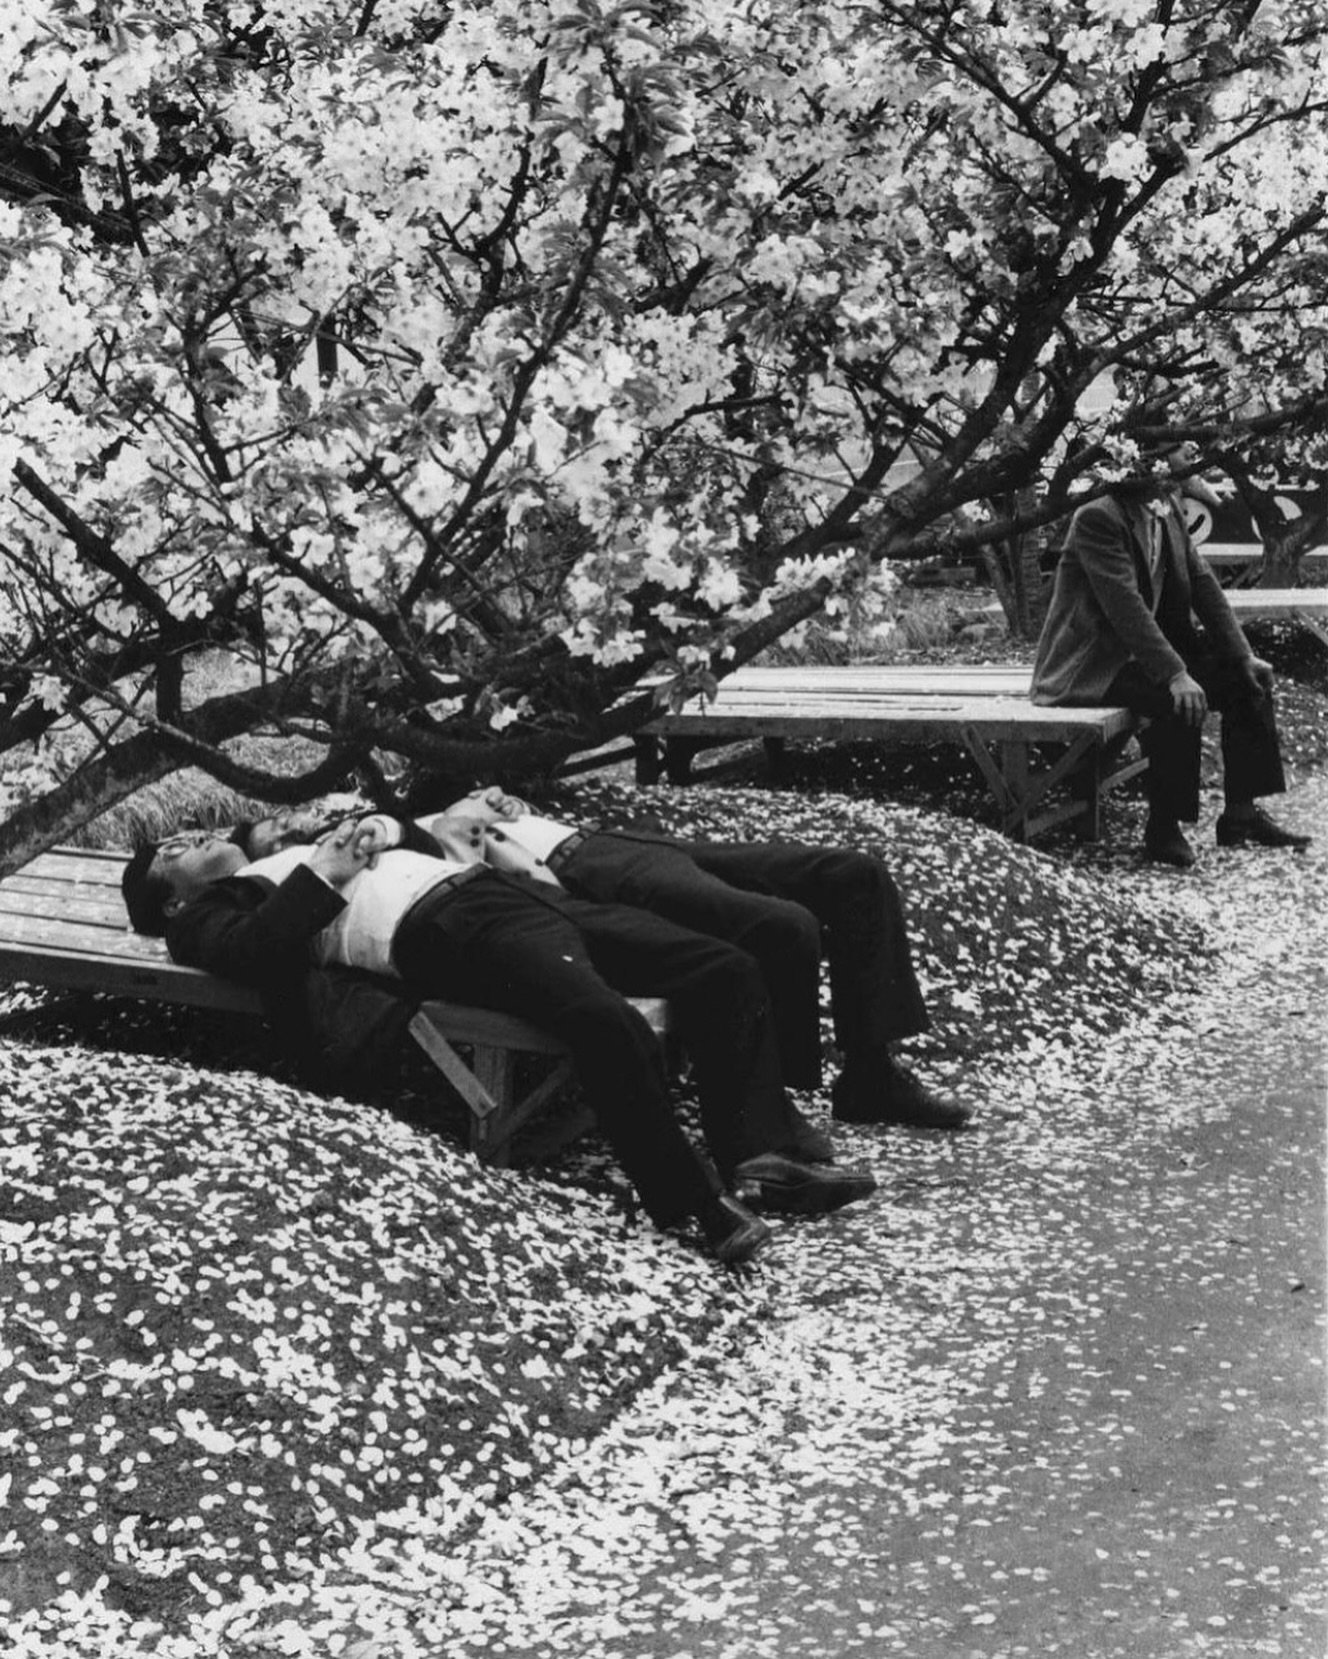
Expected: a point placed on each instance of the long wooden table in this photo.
(63, 924)
(985, 709)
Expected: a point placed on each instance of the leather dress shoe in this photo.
(1257, 830)
(1168, 845)
(774, 1181)
(892, 1094)
(732, 1233)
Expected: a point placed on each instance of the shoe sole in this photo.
(811, 1197)
(904, 1122)
(1270, 846)
(738, 1251)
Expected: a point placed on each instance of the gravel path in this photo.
(1056, 1390)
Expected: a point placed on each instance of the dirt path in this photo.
(1058, 1391)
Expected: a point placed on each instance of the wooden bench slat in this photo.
(1274, 602)
(104, 911)
(1231, 552)
(64, 932)
(976, 676)
(79, 864)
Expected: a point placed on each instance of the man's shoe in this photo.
(733, 1234)
(892, 1094)
(774, 1181)
(1257, 830)
(1168, 845)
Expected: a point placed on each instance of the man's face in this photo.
(1184, 458)
(190, 861)
(294, 826)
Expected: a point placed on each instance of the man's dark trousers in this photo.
(510, 944)
(780, 904)
(1251, 753)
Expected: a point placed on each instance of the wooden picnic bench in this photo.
(1308, 606)
(1237, 563)
(986, 709)
(63, 924)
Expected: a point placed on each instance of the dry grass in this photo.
(928, 619)
(189, 798)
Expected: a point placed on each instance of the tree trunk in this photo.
(1014, 567)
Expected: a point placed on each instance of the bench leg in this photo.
(679, 753)
(648, 766)
(1102, 769)
(776, 757)
(488, 1085)
(1087, 787)
(995, 773)
(1014, 770)
(1020, 795)
(492, 1137)
(491, 1132)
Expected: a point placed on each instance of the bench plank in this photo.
(1308, 606)
(63, 924)
(1298, 603)
(1247, 553)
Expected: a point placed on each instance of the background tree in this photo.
(450, 366)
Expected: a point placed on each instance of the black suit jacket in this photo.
(1104, 604)
(341, 1026)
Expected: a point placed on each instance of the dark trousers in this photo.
(1251, 752)
(781, 904)
(505, 943)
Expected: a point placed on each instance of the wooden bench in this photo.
(1237, 563)
(1308, 606)
(63, 924)
(986, 709)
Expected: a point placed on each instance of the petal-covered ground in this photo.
(1058, 1391)
(284, 1374)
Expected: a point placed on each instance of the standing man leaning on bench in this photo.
(373, 895)
(1138, 620)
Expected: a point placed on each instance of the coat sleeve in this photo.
(1102, 544)
(1211, 606)
(349, 1030)
(251, 931)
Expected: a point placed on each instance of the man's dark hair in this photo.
(145, 893)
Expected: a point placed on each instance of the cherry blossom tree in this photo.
(450, 368)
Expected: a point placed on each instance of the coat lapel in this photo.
(1138, 518)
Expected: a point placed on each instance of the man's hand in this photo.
(346, 850)
(501, 807)
(460, 831)
(1188, 700)
(1259, 674)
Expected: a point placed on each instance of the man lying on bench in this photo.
(782, 903)
(370, 896)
